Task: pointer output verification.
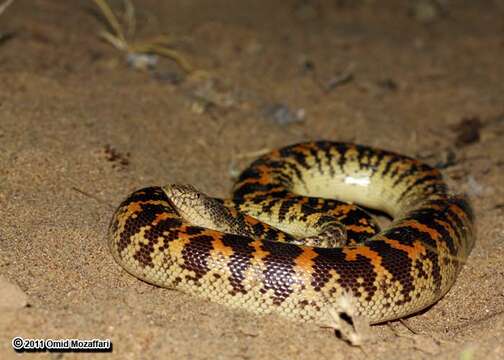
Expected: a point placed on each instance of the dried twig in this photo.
(119, 38)
(96, 198)
(5, 5)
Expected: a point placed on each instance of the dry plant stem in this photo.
(117, 38)
(99, 200)
(163, 51)
(407, 326)
(112, 20)
(5, 5)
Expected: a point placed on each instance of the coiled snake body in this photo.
(283, 245)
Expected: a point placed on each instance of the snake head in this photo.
(196, 207)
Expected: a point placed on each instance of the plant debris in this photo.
(468, 131)
(3, 7)
(388, 84)
(140, 54)
(339, 80)
(114, 156)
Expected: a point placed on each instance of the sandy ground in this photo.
(79, 129)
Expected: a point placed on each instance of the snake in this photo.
(299, 233)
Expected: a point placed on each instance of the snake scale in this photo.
(284, 245)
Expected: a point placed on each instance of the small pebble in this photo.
(468, 131)
(282, 115)
(475, 188)
(141, 61)
(11, 296)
